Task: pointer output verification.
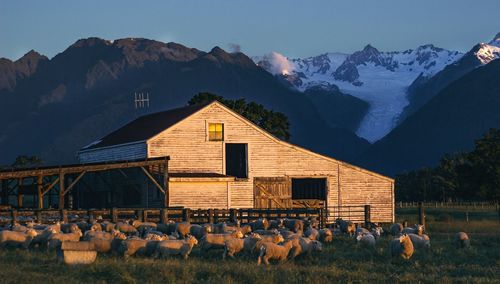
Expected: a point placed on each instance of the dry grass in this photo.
(342, 261)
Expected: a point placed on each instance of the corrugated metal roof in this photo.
(145, 127)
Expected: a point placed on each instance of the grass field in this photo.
(341, 261)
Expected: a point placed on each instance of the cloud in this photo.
(234, 47)
(279, 64)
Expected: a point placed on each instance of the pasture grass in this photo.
(341, 261)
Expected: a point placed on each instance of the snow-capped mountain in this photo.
(379, 78)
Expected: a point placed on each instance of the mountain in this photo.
(448, 123)
(379, 78)
(426, 87)
(11, 72)
(86, 91)
(338, 109)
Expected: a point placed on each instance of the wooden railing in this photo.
(455, 204)
(356, 214)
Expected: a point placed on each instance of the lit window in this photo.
(215, 132)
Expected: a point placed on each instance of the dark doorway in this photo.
(309, 188)
(236, 160)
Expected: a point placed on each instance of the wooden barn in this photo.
(219, 159)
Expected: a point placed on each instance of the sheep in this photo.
(20, 228)
(126, 228)
(105, 245)
(155, 237)
(176, 247)
(305, 246)
(42, 237)
(217, 240)
(219, 228)
(311, 233)
(269, 239)
(366, 240)
(13, 238)
(290, 234)
(267, 232)
(246, 229)
(401, 246)
(346, 227)
(54, 240)
(183, 229)
(396, 229)
(416, 229)
(101, 235)
(70, 227)
(277, 224)
(199, 231)
(167, 228)
(133, 246)
(420, 242)
(107, 226)
(142, 227)
(294, 225)
(462, 240)
(260, 224)
(233, 246)
(273, 251)
(325, 235)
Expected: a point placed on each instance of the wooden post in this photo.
(19, 193)
(210, 216)
(39, 216)
(5, 192)
(144, 216)
(421, 214)
(165, 184)
(164, 215)
(114, 215)
(64, 215)
(233, 215)
(90, 213)
(61, 190)
(13, 216)
(186, 215)
(139, 215)
(367, 215)
(405, 224)
(39, 186)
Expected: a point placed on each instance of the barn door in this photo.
(272, 192)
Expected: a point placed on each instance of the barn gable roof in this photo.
(145, 127)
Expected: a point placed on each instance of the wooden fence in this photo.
(355, 214)
(457, 204)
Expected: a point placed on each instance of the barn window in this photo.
(215, 132)
(309, 188)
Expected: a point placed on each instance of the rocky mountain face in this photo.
(379, 78)
(448, 123)
(54, 107)
(425, 87)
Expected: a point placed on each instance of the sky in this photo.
(293, 28)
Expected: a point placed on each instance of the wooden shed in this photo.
(219, 159)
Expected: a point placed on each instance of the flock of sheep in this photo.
(280, 239)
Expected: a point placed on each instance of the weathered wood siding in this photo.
(186, 144)
(199, 195)
(116, 153)
(358, 188)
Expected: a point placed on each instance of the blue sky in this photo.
(294, 28)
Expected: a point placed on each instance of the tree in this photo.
(24, 161)
(273, 122)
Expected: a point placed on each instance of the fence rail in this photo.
(435, 204)
(356, 214)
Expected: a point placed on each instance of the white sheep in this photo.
(420, 242)
(396, 229)
(304, 246)
(462, 240)
(401, 246)
(176, 247)
(233, 246)
(217, 240)
(325, 235)
(366, 240)
(416, 229)
(311, 233)
(198, 231)
(270, 250)
(12, 238)
(55, 240)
